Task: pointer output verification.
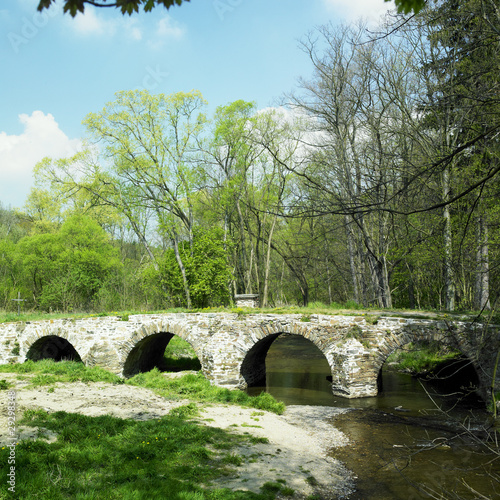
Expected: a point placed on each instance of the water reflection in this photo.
(296, 373)
(402, 445)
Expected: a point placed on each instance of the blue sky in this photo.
(56, 69)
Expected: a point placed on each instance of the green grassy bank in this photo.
(422, 359)
(110, 458)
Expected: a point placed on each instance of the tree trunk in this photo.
(329, 279)
(248, 271)
(481, 295)
(245, 271)
(381, 282)
(352, 260)
(449, 282)
(411, 287)
(268, 264)
(182, 269)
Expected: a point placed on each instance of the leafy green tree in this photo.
(207, 269)
(66, 270)
(232, 156)
(148, 170)
(10, 273)
(42, 210)
(464, 110)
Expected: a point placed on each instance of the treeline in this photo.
(376, 182)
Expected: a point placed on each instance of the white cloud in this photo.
(131, 27)
(94, 23)
(20, 153)
(352, 10)
(91, 24)
(166, 29)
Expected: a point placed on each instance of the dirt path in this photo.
(297, 452)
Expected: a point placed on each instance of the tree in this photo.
(125, 6)
(207, 270)
(148, 167)
(464, 108)
(232, 156)
(408, 6)
(361, 107)
(251, 152)
(67, 269)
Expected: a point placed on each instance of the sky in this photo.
(56, 69)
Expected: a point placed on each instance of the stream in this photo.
(410, 442)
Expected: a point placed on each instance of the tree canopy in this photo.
(375, 184)
(125, 6)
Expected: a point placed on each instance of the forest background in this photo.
(376, 182)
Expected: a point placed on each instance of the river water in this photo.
(410, 442)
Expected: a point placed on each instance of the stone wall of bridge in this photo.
(232, 348)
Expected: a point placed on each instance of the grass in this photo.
(11, 317)
(273, 488)
(4, 385)
(349, 307)
(191, 386)
(421, 359)
(198, 388)
(111, 458)
(48, 371)
(180, 356)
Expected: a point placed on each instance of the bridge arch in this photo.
(253, 365)
(52, 347)
(147, 348)
(401, 339)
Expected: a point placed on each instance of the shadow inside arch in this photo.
(288, 365)
(150, 352)
(454, 380)
(53, 347)
(253, 368)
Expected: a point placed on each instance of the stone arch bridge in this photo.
(232, 348)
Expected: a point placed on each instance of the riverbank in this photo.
(290, 449)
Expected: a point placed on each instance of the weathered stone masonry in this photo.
(232, 348)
